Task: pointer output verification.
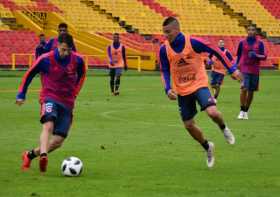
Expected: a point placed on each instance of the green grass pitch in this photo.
(134, 145)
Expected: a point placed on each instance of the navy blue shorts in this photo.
(216, 78)
(61, 116)
(116, 71)
(250, 82)
(187, 104)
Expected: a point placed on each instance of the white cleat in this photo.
(215, 101)
(241, 115)
(245, 116)
(229, 136)
(210, 155)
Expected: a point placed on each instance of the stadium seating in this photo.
(158, 8)
(253, 10)
(134, 13)
(273, 6)
(5, 12)
(24, 42)
(39, 5)
(202, 18)
(16, 42)
(85, 18)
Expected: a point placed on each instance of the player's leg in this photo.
(55, 142)
(213, 83)
(60, 131)
(217, 92)
(243, 98)
(243, 95)
(48, 128)
(48, 117)
(112, 80)
(215, 77)
(197, 134)
(253, 86)
(188, 110)
(118, 80)
(220, 80)
(214, 90)
(206, 103)
(62, 127)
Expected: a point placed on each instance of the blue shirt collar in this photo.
(116, 44)
(251, 40)
(179, 38)
(62, 62)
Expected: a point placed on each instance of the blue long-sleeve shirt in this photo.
(40, 49)
(43, 66)
(178, 45)
(116, 45)
(251, 41)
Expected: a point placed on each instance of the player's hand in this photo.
(172, 94)
(252, 54)
(125, 68)
(20, 102)
(237, 75)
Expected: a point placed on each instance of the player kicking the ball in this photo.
(180, 60)
(62, 75)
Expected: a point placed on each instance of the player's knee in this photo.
(57, 143)
(189, 124)
(214, 113)
(48, 127)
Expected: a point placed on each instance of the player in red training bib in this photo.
(62, 74)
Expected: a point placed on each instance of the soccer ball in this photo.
(72, 166)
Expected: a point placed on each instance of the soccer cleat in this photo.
(229, 136)
(215, 101)
(26, 162)
(241, 115)
(43, 163)
(245, 116)
(117, 93)
(210, 155)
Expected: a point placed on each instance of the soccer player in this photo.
(218, 69)
(249, 55)
(40, 48)
(53, 42)
(180, 58)
(62, 73)
(117, 61)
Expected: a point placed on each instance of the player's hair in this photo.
(169, 20)
(63, 25)
(116, 34)
(41, 35)
(66, 38)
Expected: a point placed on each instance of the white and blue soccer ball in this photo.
(72, 166)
